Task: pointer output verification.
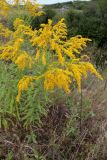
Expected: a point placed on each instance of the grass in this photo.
(59, 135)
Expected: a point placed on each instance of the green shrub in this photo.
(48, 14)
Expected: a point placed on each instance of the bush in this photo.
(37, 21)
(90, 22)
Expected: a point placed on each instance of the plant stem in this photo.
(105, 85)
(81, 108)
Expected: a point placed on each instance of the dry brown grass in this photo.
(98, 95)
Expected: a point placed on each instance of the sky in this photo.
(47, 1)
(52, 1)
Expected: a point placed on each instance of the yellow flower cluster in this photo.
(24, 60)
(57, 53)
(4, 32)
(57, 78)
(19, 57)
(62, 78)
(32, 8)
(21, 29)
(4, 8)
(23, 85)
(54, 38)
(80, 69)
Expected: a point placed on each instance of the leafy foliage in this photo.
(50, 60)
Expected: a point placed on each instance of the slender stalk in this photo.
(105, 85)
(81, 108)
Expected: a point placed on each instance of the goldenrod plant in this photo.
(4, 8)
(65, 65)
(41, 61)
(48, 89)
